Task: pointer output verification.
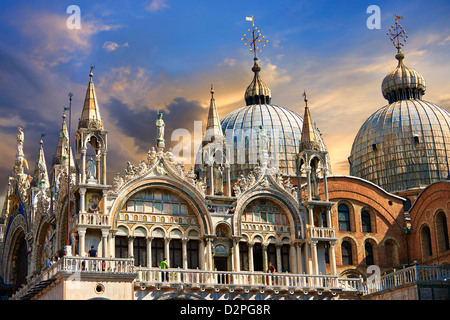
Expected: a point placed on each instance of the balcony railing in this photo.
(245, 280)
(75, 266)
(414, 274)
(93, 219)
(321, 233)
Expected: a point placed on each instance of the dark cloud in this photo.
(139, 123)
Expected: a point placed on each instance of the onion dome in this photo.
(404, 145)
(403, 83)
(257, 92)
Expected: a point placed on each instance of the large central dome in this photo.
(283, 127)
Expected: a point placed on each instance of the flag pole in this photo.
(68, 249)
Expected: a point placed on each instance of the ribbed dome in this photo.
(241, 128)
(403, 145)
(403, 83)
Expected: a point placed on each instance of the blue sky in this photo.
(164, 54)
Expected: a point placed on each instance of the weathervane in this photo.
(255, 38)
(398, 34)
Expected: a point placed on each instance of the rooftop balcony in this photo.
(79, 268)
(245, 281)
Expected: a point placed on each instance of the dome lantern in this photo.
(403, 83)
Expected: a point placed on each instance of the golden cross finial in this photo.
(256, 37)
(398, 34)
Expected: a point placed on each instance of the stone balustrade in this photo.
(245, 280)
(321, 233)
(414, 274)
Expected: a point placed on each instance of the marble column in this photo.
(130, 246)
(82, 200)
(82, 242)
(315, 266)
(83, 166)
(184, 252)
(149, 252)
(250, 257)
(103, 181)
(278, 249)
(105, 243)
(166, 250)
(237, 262)
(332, 254)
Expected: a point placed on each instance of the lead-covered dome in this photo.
(283, 128)
(406, 144)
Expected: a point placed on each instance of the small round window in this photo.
(99, 288)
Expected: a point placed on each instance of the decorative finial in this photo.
(305, 99)
(90, 73)
(212, 92)
(256, 37)
(398, 37)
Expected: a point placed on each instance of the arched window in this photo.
(365, 221)
(343, 218)
(442, 231)
(368, 250)
(346, 249)
(425, 239)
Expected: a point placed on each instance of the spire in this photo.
(213, 127)
(62, 149)
(213, 116)
(309, 140)
(257, 92)
(40, 176)
(90, 116)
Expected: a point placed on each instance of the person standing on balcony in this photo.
(93, 253)
(163, 265)
(270, 269)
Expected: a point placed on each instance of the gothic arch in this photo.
(16, 264)
(45, 247)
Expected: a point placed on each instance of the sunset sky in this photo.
(164, 54)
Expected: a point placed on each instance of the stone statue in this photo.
(263, 146)
(218, 179)
(90, 169)
(20, 138)
(160, 131)
(315, 179)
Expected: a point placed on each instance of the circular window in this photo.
(99, 288)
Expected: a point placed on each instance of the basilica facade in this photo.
(259, 216)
